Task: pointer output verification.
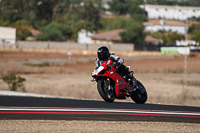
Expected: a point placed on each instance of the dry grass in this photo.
(163, 77)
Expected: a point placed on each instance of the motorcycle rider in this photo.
(104, 55)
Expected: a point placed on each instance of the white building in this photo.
(171, 12)
(7, 35)
(84, 37)
(170, 18)
(185, 43)
(166, 25)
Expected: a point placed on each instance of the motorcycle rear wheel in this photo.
(107, 95)
(140, 95)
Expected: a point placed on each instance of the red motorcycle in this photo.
(112, 85)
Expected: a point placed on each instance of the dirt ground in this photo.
(163, 78)
(54, 126)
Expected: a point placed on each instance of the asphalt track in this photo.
(21, 107)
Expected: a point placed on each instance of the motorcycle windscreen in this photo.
(96, 72)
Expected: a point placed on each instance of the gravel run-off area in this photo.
(58, 126)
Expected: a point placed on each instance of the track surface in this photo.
(16, 107)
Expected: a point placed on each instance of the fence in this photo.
(71, 45)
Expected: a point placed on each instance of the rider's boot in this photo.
(130, 74)
(125, 78)
(130, 77)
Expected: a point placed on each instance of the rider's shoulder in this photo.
(97, 59)
(112, 55)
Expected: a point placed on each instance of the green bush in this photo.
(55, 32)
(14, 82)
(196, 35)
(169, 38)
(134, 33)
(45, 63)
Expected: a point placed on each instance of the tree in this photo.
(119, 7)
(168, 38)
(113, 23)
(131, 7)
(62, 8)
(55, 32)
(196, 35)
(13, 9)
(38, 12)
(23, 29)
(45, 9)
(3, 22)
(172, 37)
(134, 33)
(194, 30)
(194, 2)
(91, 16)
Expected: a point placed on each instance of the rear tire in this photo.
(140, 95)
(107, 95)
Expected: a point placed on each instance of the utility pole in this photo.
(186, 29)
(185, 72)
(186, 58)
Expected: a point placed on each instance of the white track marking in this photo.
(98, 110)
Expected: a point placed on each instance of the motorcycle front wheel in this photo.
(140, 94)
(106, 90)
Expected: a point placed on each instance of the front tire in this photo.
(107, 94)
(140, 94)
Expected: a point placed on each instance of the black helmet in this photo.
(103, 53)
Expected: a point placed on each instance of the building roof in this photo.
(171, 7)
(151, 39)
(109, 35)
(35, 32)
(169, 22)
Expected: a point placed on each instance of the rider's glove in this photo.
(115, 64)
(108, 63)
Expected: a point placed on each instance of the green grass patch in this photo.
(45, 63)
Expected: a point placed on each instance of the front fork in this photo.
(137, 87)
(107, 83)
(134, 83)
